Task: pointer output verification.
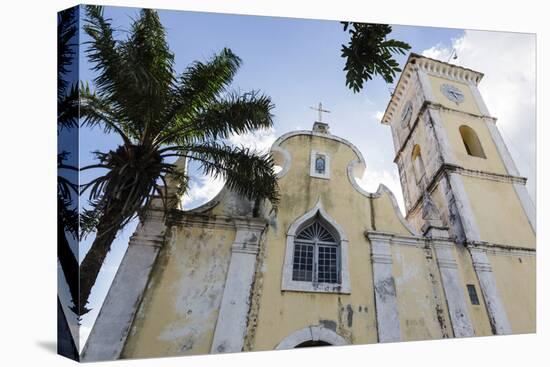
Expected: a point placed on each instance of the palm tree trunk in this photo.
(108, 226)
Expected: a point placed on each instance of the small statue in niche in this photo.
(320, 164)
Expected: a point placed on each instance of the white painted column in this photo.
(235, 305)
(425, 84)
(113, 323)
(442, 140)
(463, 207)
(387, 316)
(495, 308)
(453, 288)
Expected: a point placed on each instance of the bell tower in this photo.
(447, 144)
(451, 155)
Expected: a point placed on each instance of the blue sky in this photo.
(297, 62)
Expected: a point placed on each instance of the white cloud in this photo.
(378, 115)
(260, 140)
(508, 87)
(439, 52)
(372, 179)
(204, 188)
(201, 190)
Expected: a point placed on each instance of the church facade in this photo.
(337, 265)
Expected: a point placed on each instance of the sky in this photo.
(297, 63)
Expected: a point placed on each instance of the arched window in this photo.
(418, 164)
(316, 255)
(471, 142)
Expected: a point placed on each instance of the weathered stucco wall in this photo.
(515, 276)
(180, 307)
(418, 288)
(478, 313)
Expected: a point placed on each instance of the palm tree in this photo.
(67, 187)
(160, 116)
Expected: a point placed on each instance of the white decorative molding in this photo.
(311, 333)
(503, 249)
(283, 157)
(426, 85)
(448, 71)
(117, 313)
(284, 137)
(453, 286)
(288, 284)
(387, 316)
(312, 170)
(397, 239)
(232, 318)
(495, 307)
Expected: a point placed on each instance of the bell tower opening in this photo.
(471, 142)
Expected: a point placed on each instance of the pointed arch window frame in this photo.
(288, 283)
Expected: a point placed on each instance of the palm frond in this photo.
(235, 114)
(66, 42)
(246, 172)
(202, 83)
(96, 110)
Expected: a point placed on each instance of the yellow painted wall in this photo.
(516, 281)
(180, 306)
(498, 213)
(493, 163)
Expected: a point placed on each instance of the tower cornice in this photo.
(417, 62)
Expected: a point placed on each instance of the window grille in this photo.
(316, 255)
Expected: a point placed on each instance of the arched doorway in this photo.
(312, 336)
(313, 343)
